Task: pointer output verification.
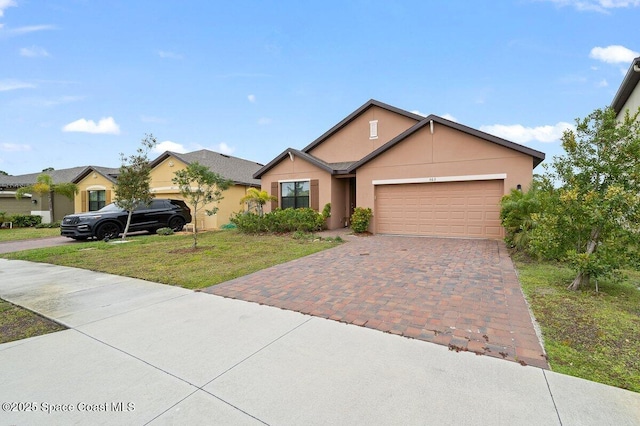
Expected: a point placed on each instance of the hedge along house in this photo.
(420, 175)
(96, 184)
(37, 204)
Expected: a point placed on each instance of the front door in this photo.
(352, 198)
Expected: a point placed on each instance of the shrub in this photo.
(229, 226)
(279, 221)
(165, 231)
(55, 224)
(360, 219)
(25, 220)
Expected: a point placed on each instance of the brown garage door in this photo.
(451, 209)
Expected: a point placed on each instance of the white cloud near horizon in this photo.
(601, 6)
(223, 148)
(521, 134)
(422, 114)
(4, 4)
(14, 147)
(26, 30)
(613, 54)
(10, 84)
(34, 52)
(169, 146)
(264, 121)
(105, 126)
(252, 98)
(449, 117)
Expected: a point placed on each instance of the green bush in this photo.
(55, 224)
(164, 231)
(25, 220)
(229, 226)
(279, 221)
(360, 219)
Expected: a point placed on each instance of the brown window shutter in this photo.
(107, 197)
(315, 195)
(274, 192)
(83, 201)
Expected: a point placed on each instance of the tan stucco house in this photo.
(35, 204)
(420, 175)
(95, 184)
(628, 95)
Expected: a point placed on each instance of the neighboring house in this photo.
(419, 175)
(96, 184)
(36, 204)
(628, 95)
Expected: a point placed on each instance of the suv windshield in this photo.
(110, 208)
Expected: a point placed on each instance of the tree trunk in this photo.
(126, 228)
(582, 279)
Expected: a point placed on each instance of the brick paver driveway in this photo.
(460, 293)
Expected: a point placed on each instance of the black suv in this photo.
(109, 221)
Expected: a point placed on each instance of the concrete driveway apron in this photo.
(461, 293)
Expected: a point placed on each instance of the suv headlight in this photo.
(90, 218)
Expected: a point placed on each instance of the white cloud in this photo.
(169, 55)
(105, 126)
(613, 54)
(601, 6)
(6, 85)
(4, 4)
(252, 98)
(602, 83)
(28, 29)
(170, 146)
(520, 134)
(14, 147)
(264, 121)
(449, 117)
(415, 111)
(223, 148)
(33, 52)
(51, 102)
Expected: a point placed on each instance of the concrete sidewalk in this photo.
(145, 353)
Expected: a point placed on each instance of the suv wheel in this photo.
(176, 223)
(109, 229)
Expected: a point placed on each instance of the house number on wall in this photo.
(431, 179)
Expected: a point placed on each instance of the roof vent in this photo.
(224, 155)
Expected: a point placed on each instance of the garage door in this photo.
(451, 209)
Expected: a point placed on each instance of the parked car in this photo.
(110, 221)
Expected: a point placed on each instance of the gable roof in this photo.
(349, 118)
(109, 173)
(631, 80)
(58, 176)
(238, 170)
(333, 168)
(537, 156)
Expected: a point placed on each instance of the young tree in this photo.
(133, 187)
(597, 205)
(45, 186)
(256, 199)
(200, 186)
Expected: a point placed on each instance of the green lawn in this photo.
(16, 234)
(18, 323)
(221, 256)
(588, 334)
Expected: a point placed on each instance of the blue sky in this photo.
(82, 81)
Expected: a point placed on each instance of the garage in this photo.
(444, 209)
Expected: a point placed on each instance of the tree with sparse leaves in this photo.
(200, 187)
(45, 186)
(592, 218)
(133, 187)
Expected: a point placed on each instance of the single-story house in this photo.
(628, 95)
(95, 184)
(420, 175)
(36, 204)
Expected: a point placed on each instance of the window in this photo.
(373, 129)
(294, 194)
(97, 200)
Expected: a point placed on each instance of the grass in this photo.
(17, 323)
(221, 256)
(587, 334)
(17, 234)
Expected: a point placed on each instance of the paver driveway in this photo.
(455, 292)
